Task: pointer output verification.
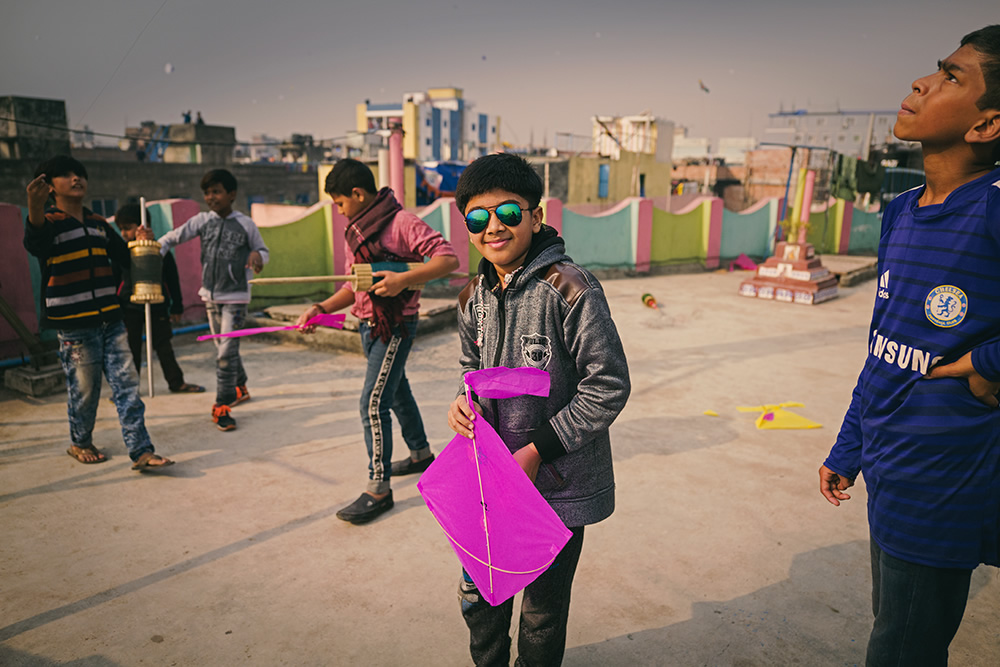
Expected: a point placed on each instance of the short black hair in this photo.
(218, 177)
(348, 174)
(61, 165)
(499, 171)
(129, 215)
(987, 42)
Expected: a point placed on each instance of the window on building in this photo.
(428, 141)
(444, 123)
(473, 127)
(104, 207)
(428, 122)
(493, 130)
(603, 176)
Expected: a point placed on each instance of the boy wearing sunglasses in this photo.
(381, 231)
(530, 305)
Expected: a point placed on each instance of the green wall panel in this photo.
(677, 238)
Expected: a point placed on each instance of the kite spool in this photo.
(362, 273)
(361, 276)
(147, 271)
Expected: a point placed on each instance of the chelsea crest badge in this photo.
(946, 306)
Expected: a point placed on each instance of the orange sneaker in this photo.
(242, 395)
(222, 418)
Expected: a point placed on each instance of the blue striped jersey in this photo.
(928, 449)
(78, 288)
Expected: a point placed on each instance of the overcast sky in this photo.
(544, 66)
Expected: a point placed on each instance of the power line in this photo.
(277, 142)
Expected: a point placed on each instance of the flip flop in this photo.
(143, 464)
(99, 456)
(188, 389)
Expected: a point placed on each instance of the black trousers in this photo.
(917, 610)
(541, 640)
(135, 324)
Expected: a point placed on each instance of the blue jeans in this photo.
(386, 387)
(86, 354)
(917, 610)
(229, 373)
(541, 639)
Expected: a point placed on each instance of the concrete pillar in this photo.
(383, 167)
(397, 180)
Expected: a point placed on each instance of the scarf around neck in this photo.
(363, 236)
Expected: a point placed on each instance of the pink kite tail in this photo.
(323, 320)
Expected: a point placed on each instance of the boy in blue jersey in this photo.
(923, 423)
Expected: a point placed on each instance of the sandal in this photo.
(87, 455)
(188, 389)
(150, 461)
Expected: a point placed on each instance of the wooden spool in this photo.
(147, 271)
(361, 276)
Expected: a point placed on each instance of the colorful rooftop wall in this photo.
(634, 236)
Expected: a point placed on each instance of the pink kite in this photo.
(504, 533)
(322, 320)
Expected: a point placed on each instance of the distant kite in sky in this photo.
(702, 85)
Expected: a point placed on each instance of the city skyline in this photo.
(544, 69)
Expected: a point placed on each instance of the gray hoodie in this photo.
(226, 244)
(554, 316)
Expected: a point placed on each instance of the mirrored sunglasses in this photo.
(508, 214)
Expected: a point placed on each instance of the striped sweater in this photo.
(78, 286)
(928, 449)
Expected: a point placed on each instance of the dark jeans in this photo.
(541, 640)
(229, 373)
(135, 323)
(917, 611)
(386, 388)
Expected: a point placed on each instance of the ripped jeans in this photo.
(86, 354)
(229, 373)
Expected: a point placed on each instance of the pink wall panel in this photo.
(188, 256)
(15, 280)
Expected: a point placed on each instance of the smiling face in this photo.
(219, 200)
(502, 246)
(941, 110)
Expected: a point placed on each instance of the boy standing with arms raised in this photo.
(923, 423)
(562, 326)
(381, 231)
(75, 249)
(231, 247)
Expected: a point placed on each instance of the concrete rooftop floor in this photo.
(721, 551)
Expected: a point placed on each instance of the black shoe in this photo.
(365, 508)
(222, 418)
(410, 467)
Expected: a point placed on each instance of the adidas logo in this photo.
(883, 285)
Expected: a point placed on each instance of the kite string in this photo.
(494, 567)
(482, 496)
(134, 42)
(482, 500)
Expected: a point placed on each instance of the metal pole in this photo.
(149, 311)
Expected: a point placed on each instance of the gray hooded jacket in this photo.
(554, 316)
